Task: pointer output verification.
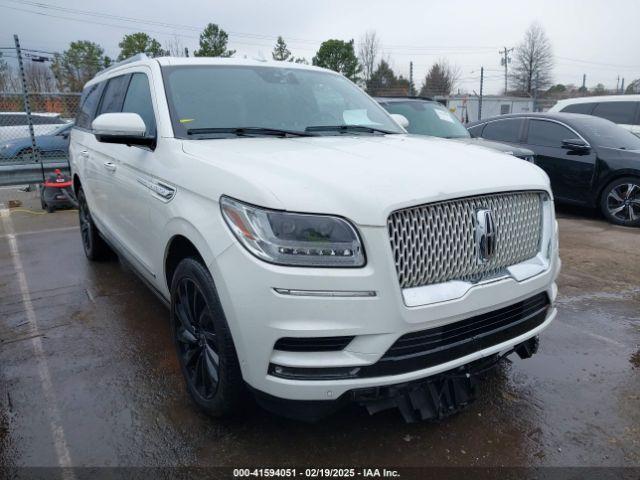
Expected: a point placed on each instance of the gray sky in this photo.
(596, 37)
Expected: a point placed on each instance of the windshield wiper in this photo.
(346, 129)
(247, 131)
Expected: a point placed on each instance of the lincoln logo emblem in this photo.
(486, 235)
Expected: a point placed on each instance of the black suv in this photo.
(590, 161)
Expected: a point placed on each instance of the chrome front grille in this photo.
(436, 243)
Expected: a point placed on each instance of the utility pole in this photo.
(618, 85)
(411, 91)
(535, 95)
(505, 61)
(27, 104)
(622, 87)
(480, 99)
(584, 81)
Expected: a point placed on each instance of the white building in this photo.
(465, 107)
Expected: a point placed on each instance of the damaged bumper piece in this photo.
(432, 398)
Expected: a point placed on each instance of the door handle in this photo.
(110, 166)
(84, 153)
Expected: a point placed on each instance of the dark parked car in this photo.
(428, 117)
(590, 161)
(54, 145)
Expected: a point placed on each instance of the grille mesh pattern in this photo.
(435, 243)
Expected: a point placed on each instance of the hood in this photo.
(361, 177)
(500, 147)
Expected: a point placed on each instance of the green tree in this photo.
(140, 42)
(599, 89)
(78, 64)
(441, 79)
(339, 56)
(213, 42)
(384, 81)
(280, 52)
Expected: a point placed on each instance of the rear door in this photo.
(571, 172)
(83, 142)
(103, 158)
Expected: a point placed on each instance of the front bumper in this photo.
(258, 316)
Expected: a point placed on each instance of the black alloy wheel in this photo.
(204, 344)
(197, 340)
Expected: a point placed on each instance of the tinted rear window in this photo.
(617, 112)
(503, 130)
(584, 108)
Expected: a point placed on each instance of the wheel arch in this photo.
(77, 184)
(618, 174)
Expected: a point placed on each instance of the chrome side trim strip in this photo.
(325, 293)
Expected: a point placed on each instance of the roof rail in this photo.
(135, 58)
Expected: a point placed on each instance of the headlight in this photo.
(528, 158)
(293, 239)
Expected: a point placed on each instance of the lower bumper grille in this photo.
(312, 344)
(435, 346)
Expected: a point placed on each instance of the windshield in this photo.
(205, 98)
(429, 118)
(604, 133)
(62, 129)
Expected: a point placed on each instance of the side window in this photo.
(548, 134)
(476, 131)
(138, 100)
(114, 94)
(584, 108)
(88, 104)
(503, 130)
(617, 112)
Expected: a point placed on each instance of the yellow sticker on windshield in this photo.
(186, 120)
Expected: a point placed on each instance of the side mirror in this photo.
(400, 120)
(576, 145)
(122, 128)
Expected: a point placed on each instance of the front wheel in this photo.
(203, 341)
(620, 202)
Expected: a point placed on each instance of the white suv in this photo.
(310, 251)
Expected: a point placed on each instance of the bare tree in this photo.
(5, 75)
(441, 79)
(39, 77)
(368, 52)
(175, 47)
(532, 61)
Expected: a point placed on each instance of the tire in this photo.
(205, 348)
(620, 201)
(95, 248)
(50, 209)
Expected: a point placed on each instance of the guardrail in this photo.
(12, 173)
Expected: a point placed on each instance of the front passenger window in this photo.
(548, 134)
(138, 100)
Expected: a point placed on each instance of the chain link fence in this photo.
(34, 132)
